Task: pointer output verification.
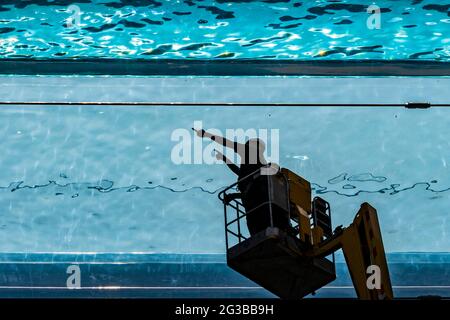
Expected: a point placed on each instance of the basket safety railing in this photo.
(240, 212)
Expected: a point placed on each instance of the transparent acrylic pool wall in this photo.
(95, 185)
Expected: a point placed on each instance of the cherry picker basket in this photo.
(272, 257)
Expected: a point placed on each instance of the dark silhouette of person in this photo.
(254, 192)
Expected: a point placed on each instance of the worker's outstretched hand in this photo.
(219, 155)
(199, 133)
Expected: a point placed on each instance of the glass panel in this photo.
(105, 179)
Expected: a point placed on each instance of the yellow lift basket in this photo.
(299, 261)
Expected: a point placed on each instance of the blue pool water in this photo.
(103, 179)
(98, 186)
(295, 30)
(95, 185)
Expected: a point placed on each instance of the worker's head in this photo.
(255, 149)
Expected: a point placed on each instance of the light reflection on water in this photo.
(101, 179)
(224, 29)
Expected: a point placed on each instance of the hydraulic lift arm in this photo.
(362, 246)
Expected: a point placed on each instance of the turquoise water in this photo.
(79, 181)
(295, 30)
(103, 179)
(97, 186)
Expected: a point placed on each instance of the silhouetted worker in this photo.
(254, 192)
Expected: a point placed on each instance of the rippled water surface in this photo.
(102, 178)
(266, 29)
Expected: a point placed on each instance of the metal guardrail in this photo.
(241, 212)
(240, 209)
(235, 204)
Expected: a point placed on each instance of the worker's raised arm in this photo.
(236, 146)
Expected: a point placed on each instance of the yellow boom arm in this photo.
(362, 246)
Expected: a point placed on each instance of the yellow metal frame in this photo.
(361, 242)
(362, 245)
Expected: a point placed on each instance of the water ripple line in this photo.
(107, 186)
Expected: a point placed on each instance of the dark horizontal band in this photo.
(190, 275)
(236, 67)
